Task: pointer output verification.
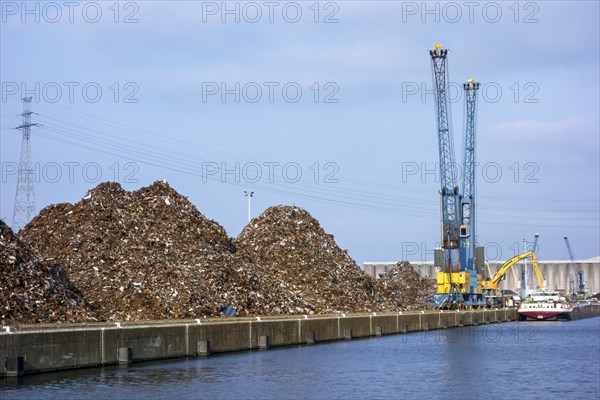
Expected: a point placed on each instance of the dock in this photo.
(32, 349)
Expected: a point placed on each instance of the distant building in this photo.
(555, 272)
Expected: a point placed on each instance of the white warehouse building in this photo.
(555, 272)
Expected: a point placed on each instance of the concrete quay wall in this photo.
(34, 349)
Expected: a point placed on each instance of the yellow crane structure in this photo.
(492, 284)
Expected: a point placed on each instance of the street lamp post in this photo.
(249, 196)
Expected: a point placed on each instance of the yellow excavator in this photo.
(490, 286)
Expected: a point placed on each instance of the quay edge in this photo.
(36, 349)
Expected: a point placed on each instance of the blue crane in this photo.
(580, 275)
(459, 281)
(449, 190)
(467, 200)
(525, 271)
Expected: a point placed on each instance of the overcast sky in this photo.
(323, 105)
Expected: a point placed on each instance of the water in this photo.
(537, 360)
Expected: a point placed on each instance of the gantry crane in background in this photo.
(581, 292)
(524, 290)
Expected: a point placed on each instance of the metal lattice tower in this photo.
(467, 229)
(449, 190)
(25, 196)
(572, 273)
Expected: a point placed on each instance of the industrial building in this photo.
(556, 273)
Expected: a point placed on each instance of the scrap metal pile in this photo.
(410, 287)
(32, 291)
(305, 268)
(150, 254)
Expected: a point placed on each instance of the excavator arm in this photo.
(493, 283)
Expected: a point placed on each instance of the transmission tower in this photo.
(24, 197)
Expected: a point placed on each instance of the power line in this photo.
(180, 161)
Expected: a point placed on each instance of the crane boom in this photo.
(449, 190)
(535, 242)
(467, 205)
(573, 274)
(492, 284)
(569, 250)
(525, 271)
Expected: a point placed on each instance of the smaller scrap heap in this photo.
(410, 287)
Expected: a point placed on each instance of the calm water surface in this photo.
(543, 360)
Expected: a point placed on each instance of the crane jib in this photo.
(449, 193)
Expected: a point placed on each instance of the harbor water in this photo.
(528, 360)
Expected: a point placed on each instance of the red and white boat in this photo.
(545, 305)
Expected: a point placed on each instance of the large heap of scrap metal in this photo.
(147, 254)
(32, 291)
(150, 254)
(309, 272)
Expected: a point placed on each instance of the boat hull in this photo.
(583, 310)
(543, 311)
(559, 311)
(539, 315)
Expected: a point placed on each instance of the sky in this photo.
(323, 105)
